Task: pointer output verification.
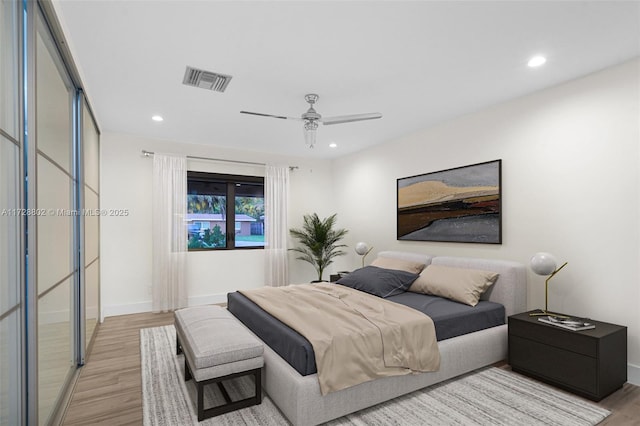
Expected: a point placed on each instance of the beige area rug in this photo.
(490, 396)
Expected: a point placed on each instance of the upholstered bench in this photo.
(217, 347)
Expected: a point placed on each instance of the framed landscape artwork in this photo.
(455, 205)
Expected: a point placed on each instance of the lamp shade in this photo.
(362, 248)
(543, 263)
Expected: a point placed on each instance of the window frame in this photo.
(231, 182)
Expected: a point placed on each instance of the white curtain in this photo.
(276, 202)
(169, 233)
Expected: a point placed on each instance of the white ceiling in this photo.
(416, 62)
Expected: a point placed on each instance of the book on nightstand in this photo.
(570, 323)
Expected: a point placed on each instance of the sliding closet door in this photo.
(57, 271)
(91, 196)
(11, 308)
(49, 258)
(10, 304)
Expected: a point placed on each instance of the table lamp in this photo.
(363, 250)
(545, 264)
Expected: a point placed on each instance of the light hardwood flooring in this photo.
(109, 390)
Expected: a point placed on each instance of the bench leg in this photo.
(230, 406)
(178, 345)
(257, 377)
(201, 410)
(187, 370)
(179, 350)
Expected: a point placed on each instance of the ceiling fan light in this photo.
(310, 138)
(310, 130)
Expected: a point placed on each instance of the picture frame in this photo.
(462, 204)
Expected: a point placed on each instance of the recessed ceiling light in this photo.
(333, 145)
(157, 118)
(536, 61)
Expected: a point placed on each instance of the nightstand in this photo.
(333, 278)
(590, 363)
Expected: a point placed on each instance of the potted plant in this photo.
(319, 241)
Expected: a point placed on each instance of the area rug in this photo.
(490, 396)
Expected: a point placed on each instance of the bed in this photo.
(290, 378)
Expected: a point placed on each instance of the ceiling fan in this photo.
(311, 118)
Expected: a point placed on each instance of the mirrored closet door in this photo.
(11, 307)
(49, 246)
(57, 268)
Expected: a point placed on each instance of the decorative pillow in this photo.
(399, 264)
(459, 284)
(379, 281)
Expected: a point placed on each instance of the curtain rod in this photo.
(150, 153)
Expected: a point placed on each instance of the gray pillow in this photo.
(379, 281)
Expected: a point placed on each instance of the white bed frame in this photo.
(299, 397)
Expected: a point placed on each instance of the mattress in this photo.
(450, 318)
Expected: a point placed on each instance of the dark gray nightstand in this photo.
(590, 363)
(335, 277)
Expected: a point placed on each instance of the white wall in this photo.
(125, 247)
(570, 160)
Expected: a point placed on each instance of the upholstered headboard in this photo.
(509, 290)
(405, 255)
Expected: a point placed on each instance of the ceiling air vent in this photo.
(206, 79)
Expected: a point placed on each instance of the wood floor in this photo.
(109, 390)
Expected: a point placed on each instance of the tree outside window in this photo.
(224, 211)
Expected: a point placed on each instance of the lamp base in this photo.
(543, 313)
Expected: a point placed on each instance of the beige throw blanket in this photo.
(356, 337)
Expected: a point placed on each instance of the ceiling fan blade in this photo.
(349, 118)
(270, 115)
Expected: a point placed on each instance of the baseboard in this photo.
(141, 307)
(129, 308)
(633, 374)
(208, 299)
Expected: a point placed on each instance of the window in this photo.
(224, 212)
